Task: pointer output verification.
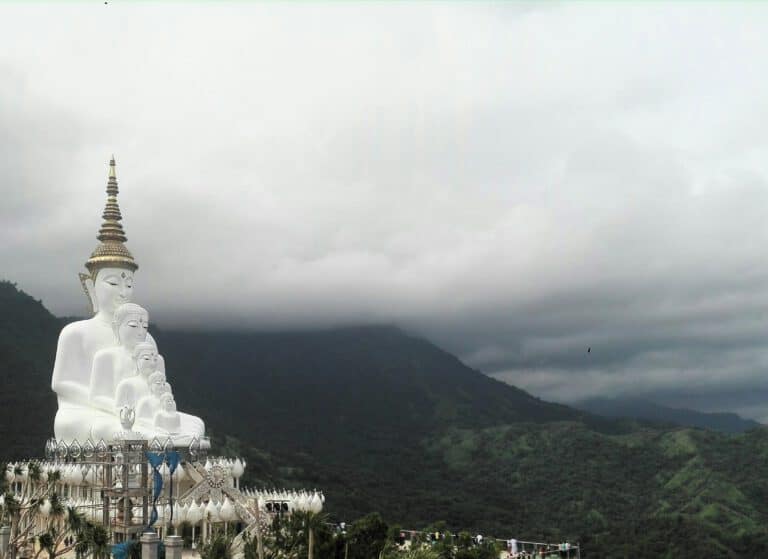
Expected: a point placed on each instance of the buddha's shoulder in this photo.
(74, 330)
(107, 352)
(81, 330)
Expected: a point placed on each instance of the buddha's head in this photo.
(130, 324)
(156, 384)
(145, 356)
(108, 288)
(109, 281)
(167, 403)
(167, 388)
(160, 358)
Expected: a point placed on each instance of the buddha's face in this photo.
(146, 362)
(169, 404)
(132, 330)
(112, 288)
(157, 386)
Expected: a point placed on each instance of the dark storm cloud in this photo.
(516, 183)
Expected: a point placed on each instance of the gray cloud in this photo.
(516, 182)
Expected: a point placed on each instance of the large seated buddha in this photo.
(83, 415)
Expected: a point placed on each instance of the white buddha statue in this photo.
(108, 284)
(160, 360)
(78, 344)
(146, 357)
(136, 385)
(149, 404)
(113, 364)
(190, 423)
(167, 418)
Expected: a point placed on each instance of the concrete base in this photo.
(5, 539)
(149, 544)
(173, 546)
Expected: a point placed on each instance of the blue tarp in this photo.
(156, 460)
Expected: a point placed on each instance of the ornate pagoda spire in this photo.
(111, 252)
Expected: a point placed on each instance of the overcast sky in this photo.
(515, 182)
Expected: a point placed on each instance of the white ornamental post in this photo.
(173, 547)
(5, 538)
(149, 545)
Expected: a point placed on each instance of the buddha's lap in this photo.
(81, 423)
(193, 422)
(189, 425)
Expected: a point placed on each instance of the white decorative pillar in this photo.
(149, 545)
(173, 546)
(5, 538)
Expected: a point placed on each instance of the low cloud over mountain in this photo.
(520, 183)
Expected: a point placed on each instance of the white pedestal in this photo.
(149, 545)
(173, 545)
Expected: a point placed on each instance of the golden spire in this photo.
(111, 252)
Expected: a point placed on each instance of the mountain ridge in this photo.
(646, 410)
(385, 421)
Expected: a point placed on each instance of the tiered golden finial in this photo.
(111, 252)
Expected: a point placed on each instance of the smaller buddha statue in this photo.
(160, 359)
(149, 405)
(167, 418)
(111, 365)
(134, 387)
(147, 359)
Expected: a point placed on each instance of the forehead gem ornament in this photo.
(122, 275)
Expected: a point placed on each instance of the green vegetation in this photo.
(368, 537)
(382, 421)
(637, 408)
(28, 335)
(85, 538)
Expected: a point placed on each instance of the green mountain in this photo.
(28, 334)
(638, 408)
(384, 421)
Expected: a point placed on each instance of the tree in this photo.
(60, 524)
(98, 538)
(313, 523)
(414, 554)
(218, 547)
(367, 537)
(282, 540)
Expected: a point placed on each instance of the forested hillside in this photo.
(28, 334)
(383, 421)
(638, 408)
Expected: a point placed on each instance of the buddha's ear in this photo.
(90, 291)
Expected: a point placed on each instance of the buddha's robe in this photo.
(129, 391)
(147, 408)
(167, 420)
(111, 366)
